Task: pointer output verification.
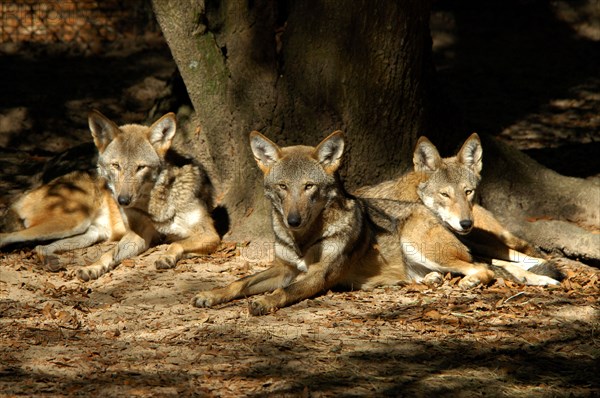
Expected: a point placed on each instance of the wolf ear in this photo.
(329, 152)
(426, 156)
(161, 133)
(265, 151)
(471, 153)
(103, 129)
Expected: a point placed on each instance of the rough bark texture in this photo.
(299, 70)
(553, 211)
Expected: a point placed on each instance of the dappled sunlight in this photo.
(134, 331)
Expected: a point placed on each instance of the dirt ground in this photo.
(134, 333)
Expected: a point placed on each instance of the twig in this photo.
(512, 297)
(460, 315)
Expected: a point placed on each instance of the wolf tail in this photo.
(548, 268)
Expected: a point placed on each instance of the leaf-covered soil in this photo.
(134, 333)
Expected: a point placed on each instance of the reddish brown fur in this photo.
(75, 210)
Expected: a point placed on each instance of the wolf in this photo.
(326, 237)
(162, 195)
(71, 211)
(447, 187)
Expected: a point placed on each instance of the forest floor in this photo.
(134, 333)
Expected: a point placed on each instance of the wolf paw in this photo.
(89, 273)
(50, 262)
(548, 281)
(301, 265)
(469, 282)
(205, 300)
(261, 306)
(166, 262)
(541, 280)
(433, 279)
(528, 250)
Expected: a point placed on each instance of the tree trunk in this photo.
(297, 70)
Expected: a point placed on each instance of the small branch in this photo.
(512, 297)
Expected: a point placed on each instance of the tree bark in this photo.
(297, 70)
(555, 212)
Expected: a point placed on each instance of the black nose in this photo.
(124, 200)
(294, 220)
(466, 224)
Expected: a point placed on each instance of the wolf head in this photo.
(300, 181)
(131, 156)
(449, 191)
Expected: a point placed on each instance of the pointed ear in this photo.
(161, 133)
(471, 153)
(103, 129)
(329, 152)
(265, 151)
(426, 156)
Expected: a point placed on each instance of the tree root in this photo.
(540, 205)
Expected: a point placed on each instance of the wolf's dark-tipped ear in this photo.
(161, 133)
(265, 151)
(426, 156)
(329, 152)
(103, 129)
(471, 153)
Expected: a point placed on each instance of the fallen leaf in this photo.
(433, 314)
(129, 263)
(48, 311)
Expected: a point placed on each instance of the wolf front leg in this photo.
(286, 251)
(320, 276)
(130, 245)
(205, 241)
(428, 243)
(278, 276)
(515, 272)
(46, 253)
(516, 249)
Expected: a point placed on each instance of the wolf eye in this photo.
(116, 166)
(468, 191)
(445, 194)
(141, 167)
(308, 187)
(283, 187)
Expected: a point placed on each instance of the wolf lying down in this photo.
(325, 237)
(161, 196)
(410, 229)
